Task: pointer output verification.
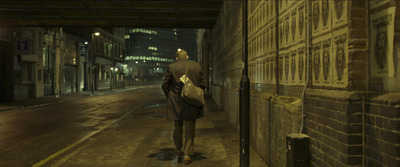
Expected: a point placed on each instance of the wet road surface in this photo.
(126, 128)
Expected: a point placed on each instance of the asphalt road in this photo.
(36, 136)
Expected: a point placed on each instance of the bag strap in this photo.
(187, 64)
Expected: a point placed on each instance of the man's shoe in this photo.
(188, 160)
(178, 152)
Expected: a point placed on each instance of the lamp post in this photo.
(111, 78)
(93, 58)
(244, 95)
(116, 80)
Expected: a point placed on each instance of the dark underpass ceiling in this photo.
(111, 13)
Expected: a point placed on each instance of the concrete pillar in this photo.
(38, 44)
(78, 67)
(57, 67)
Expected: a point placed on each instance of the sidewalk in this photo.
(145, 140)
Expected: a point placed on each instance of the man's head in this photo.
(181, 54)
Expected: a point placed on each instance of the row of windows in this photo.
(161, 59)
(152, 48)
(106, 47)
(141, 30)
(150, 64)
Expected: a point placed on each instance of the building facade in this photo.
(108, 58)
(37, 62)
(149, 51)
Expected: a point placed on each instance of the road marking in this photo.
(44, 161)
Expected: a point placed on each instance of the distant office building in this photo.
(149, 51)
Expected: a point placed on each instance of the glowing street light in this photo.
(97, 33)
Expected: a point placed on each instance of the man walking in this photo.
(178, 110)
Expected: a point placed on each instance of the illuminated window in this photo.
(152, 48)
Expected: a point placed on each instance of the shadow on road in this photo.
(168, 154)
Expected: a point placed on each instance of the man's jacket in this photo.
(177, 108)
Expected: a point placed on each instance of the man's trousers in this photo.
(189, 135)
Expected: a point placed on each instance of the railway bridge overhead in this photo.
(325, 69)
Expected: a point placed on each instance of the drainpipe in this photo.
(244, 95)
(277, 46)
(307, 65)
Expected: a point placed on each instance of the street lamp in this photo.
(112, 78)
(93, 60)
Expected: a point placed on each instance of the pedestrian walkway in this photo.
(145, 140)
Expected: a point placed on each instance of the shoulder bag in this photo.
(191, 93)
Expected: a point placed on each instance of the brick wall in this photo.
(334, 124)
(284, 119)
(382, 131)
(382, 113)
(259, 133)
(272, 119)
(347, 112)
